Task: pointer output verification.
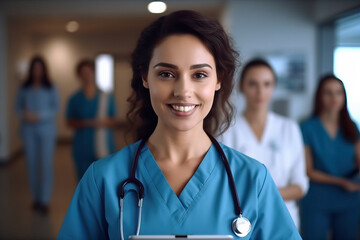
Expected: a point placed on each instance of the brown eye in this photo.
(166, 75)
(200, 75)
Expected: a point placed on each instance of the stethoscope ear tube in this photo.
(238, 210)
(134, 181)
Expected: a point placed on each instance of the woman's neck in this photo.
(89, 90)
(330, 117)
(256, 116)
(256, 119)
(178, 146)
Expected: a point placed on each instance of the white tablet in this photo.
(179, 237)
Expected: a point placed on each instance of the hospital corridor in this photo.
(240, 112)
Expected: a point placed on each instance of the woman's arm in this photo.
(298, 180)
(291, 192)
(321, 177)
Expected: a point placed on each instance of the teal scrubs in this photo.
(328, 207)
(205, 206)
(81, 108)
(39, 139)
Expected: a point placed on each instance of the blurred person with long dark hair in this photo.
(91, 113)
(272, 139)
(37, 104)
(332, 147)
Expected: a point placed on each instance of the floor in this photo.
(17, 219)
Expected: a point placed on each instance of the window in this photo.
(347, 60)
(104, 64)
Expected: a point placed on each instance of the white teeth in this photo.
(183, 108)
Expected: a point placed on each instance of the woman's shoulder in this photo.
(308, 123)
(117, 164)
(282, 120)
(288, 127)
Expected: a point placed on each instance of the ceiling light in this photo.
(157, 7)
(72, 26)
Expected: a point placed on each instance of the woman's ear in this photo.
(145, 82)
(218, 85)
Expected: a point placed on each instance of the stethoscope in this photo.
(241, 226)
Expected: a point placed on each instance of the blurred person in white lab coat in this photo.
(272, 139)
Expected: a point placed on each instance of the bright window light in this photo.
(157, 7)
(346, 67)
(104, 65)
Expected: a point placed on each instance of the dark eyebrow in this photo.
(200, 66)
(168, 65)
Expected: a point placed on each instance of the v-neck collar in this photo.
(264, 134)
(178, 206)
(322, 126)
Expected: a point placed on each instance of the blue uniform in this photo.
(39, 138)
(328, 206)
(81, 108)
(205, 206)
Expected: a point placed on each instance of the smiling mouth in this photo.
(181, 108)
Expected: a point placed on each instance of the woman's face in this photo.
(38, 72)
(182, 81)
(86, 75)
(257, 86)
(332, 96)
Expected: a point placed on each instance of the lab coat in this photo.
(281, 150)
(205, 206)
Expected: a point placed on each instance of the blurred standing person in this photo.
(332, 148)
(37, 104)
(91, 113)
(270, 138)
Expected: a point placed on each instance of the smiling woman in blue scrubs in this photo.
(332, 146)
(183, 67)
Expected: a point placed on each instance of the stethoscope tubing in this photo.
(134, 180)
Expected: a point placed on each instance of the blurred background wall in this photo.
(258, 28)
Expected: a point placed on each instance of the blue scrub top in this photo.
(81, 108)
(43, 101)
(205, 206)
(334, 156)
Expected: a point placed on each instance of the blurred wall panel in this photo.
(4, 150)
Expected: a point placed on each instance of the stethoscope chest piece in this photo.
(241, 226)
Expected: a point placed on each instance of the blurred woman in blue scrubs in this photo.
(183, 67)
(84, 116)
(37, 104)
(332, 145)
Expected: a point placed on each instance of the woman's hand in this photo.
(30, 117)
(350, 186)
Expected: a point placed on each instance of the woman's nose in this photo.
(182, 88)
